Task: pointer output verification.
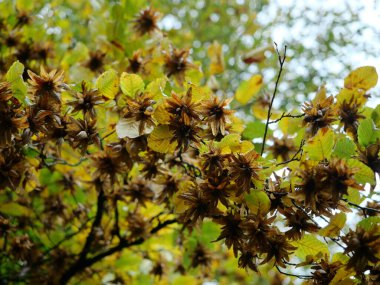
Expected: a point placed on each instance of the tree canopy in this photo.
(165, 142)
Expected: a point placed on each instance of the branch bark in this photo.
(281, 60)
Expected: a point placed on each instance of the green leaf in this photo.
(189, 280)
(130, 84)
(309, 245)
(14, 77)
(364, 174)
(248, 89)
(369, 223)
(108, 84)
(258, 202)
(344, 148)
(336, 224)
(321, 145)
(354, 196)
(14, 209)
(367, 133)
(255, 129)
(376, 115)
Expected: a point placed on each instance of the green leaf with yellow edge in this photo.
(188, 280)
(156, 88)
(336, 224)
(321, 145)
(108, 84)
(354, 196)
(248, 89)
(258, 202)
(159, 140)
(367, 133)
(130, 84)
(231, 143)
(198, 93)
(376, 116)
(363, 173)
(14, 209)
(340, 256)
(14, 77)
(309, 245)
(369, 223)
(344, 148)
(361, 78)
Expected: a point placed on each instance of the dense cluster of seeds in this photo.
(181, 152)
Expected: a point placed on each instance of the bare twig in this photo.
(294, 157)
(281, 60)
(294, 275)
(284, 115)
(364, 209)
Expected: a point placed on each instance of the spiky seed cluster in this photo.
(177, 63)
(322, 186)
(318, 114)
(146, 21)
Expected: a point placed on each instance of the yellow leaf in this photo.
(130, 84)
(257, 55)
(361, 78)
(336, 224)
(161, 115)
(348, 95)
(215, 53)
(309, 245)
(229, 143)
(248, 89)
(342, 276)
(14, 209)
(108, 84)
(321, 94)
(321, 145)
(198, 93)
(159, 140)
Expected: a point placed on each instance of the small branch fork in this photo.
(364, 209)
(294, 157)
(281, 60)
(284, 115)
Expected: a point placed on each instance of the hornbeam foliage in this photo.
(123, 162)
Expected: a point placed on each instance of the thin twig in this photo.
(294, 157)
(364, 209)
(281, 60)
(284, 115)
(294, 275)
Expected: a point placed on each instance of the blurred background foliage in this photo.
(324, 40)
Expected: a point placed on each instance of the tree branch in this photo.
(80, 265)
(281, 60)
